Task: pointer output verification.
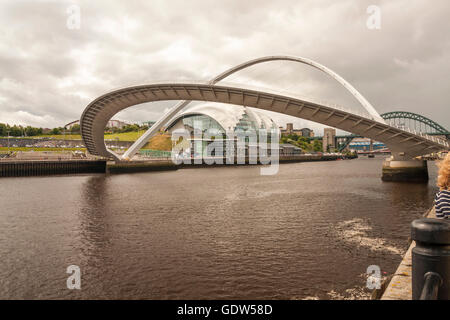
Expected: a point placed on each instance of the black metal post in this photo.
(431, 259)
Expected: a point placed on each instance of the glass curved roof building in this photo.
(222, 118)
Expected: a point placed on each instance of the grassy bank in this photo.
(126, 136)
(160, 142)
(14, 149)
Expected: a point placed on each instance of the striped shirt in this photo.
(443, 204)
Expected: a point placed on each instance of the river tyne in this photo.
(308, 232)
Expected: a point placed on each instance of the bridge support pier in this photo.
(405, 171)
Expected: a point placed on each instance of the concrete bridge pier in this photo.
(400, 169)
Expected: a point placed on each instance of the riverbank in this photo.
(28, 168)
(167, 164)
(21, 168)
(144, 166)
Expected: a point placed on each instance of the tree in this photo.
(130, 127)
(55, 131)
(75, 128)
(293, 136)
(317, 145)
(16, 131)
(3, 130)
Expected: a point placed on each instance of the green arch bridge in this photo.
(402, 120)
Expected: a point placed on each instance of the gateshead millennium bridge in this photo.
(404, 144)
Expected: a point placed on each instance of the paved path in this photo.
(400, 286)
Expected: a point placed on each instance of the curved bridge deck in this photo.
(98, 112)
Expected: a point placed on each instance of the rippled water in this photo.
(208, 233)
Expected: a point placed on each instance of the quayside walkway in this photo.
(400, 286)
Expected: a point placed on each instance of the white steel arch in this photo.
(178, 107)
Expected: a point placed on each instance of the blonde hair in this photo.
(444, 173)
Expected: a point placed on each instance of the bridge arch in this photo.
(394, 115)
(178, 107)
(361, 99)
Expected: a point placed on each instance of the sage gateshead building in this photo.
(212, 121)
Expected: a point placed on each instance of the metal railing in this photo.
(155, 153)
(423, 135)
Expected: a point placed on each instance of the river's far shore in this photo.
(22, 168)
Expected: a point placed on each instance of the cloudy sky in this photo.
(50, 71)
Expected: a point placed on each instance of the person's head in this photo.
(444, 173)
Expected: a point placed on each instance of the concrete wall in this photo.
(41, 168)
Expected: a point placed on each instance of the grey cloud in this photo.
(49, 73)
